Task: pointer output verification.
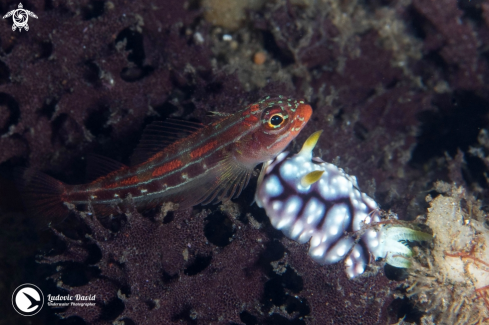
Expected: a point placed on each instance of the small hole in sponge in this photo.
(93, 10)
(96, 122)
(4, 73)
(198, 265)
(133, 45)
(219, 229)
(248, 318)
(395, 273)
(134, 74)
(112, 309)
(77, 275)
(9, 112)
(45, 49)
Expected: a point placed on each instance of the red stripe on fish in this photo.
(204, 149)
(167, 168)
(125, 182)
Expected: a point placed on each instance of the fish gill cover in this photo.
(400, 88)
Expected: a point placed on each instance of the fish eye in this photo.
(276, 120)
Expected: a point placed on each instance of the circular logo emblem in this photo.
(27, 299)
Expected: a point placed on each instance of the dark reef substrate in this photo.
(399, 87)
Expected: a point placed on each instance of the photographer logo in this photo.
(20, 17)
(27, 299)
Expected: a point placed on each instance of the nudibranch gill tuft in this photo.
(314, 201)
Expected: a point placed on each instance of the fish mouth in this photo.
(304, 113)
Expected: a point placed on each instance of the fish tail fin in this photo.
(42, 195)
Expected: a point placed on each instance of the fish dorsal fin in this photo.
(98, 166)
(160, 134)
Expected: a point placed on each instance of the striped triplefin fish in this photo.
(211, 163)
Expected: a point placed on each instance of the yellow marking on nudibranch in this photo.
(311, 178)
(310, 143)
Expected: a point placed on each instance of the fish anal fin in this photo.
(159, 135)
(98, 166)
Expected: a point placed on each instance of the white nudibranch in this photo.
(313, 201)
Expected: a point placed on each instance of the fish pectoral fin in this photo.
(226, 188)
(231, 180)
(98, 166)
(160, 134)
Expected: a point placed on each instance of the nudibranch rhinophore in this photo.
(313, 201)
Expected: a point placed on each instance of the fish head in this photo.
(280, 121)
